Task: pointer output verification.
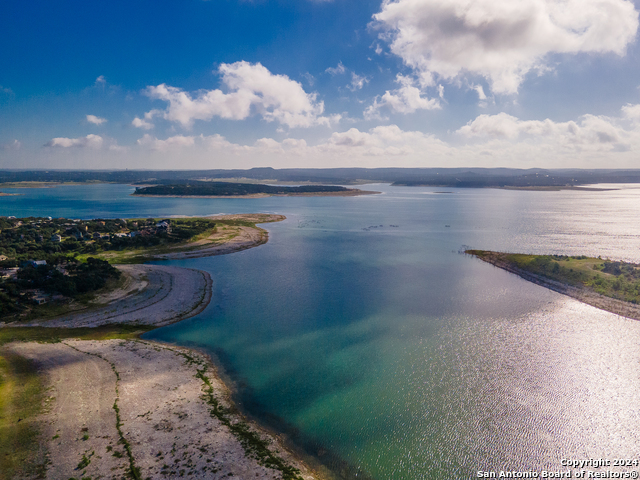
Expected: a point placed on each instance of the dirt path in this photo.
(81, 420)
(166, 426)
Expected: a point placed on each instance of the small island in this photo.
(245, 190)
(610, 285)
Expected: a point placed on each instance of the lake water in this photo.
(361, 332)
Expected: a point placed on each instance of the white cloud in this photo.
(100, 81)
(6, 90)
(480, 91)
(96, 120)
(336, 70)
(90, 141)
(488, 140)
(176, 141)
(378, 49)
(590, 132)
(357, 82)
(139, 123)
(354, 145)
(631, 112)
(251, 87)
(501, 40)
(406, 99)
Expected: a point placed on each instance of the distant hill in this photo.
(450, 177)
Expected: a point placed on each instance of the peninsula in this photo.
(81, 395)
(609, 285)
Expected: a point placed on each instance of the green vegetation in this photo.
(84, 462)
(22, 294)
(57, 240)
(21, 398)
(233, 189)
(619, 280)
(54, 335)
(52, 261)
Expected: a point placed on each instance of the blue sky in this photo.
(303, 83)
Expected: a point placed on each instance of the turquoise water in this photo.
(361, 332)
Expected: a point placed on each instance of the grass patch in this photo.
(21, 396)
(53, 335)
(84, 462)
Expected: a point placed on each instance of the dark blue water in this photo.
(362, 332)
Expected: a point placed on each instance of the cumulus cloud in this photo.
(251, 87)
(139, 123)
(177, 141)
(406, 99)
(594, 132)
(353, 144)
(487, 140)
(90, 141)
(501, 40)
(631, 112)
(96, 120)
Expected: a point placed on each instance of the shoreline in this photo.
(584, 295)
(165, 404)
(152, 296)
(272, 429)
